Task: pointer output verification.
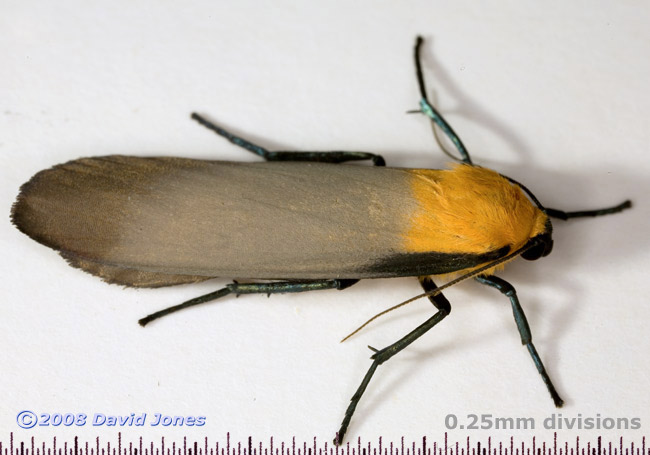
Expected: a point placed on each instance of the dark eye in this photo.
(535, 252)
(543, 248)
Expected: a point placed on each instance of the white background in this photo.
(553, 94)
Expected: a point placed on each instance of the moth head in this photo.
(540, 245)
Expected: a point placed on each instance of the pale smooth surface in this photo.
(553, 94)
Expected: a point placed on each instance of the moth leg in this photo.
(278, 287)
(524, 330)
(382, 355)
(439, 300)
(584, 213)
(322, 157)
(427, 108)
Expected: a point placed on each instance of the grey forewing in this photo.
(208, 218)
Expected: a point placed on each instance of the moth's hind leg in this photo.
(584, 213)
(278, 287)
(322, 157)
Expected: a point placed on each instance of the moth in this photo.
(303, 221)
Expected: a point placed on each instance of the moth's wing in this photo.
(73, 208)
(130, 277)
(169, 220)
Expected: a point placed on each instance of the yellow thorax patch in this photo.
(469, 209)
